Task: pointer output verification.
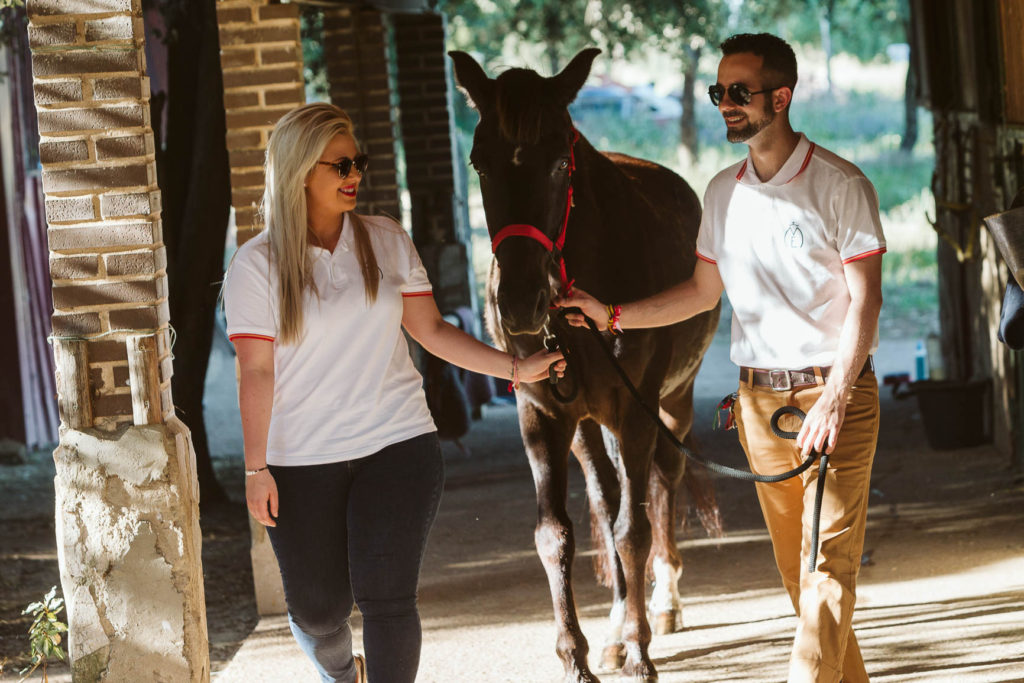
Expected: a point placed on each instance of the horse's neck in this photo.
(600, 235)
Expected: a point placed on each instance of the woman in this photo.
(342, 460)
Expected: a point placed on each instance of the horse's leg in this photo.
(547, 444)
(666, 562)
(598, 451)
(633, 536)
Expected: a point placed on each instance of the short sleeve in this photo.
(858, 226)
(706, 250)
(249, 303)
(414, 278)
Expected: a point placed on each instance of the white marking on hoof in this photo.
(665, 597)
(616, 619)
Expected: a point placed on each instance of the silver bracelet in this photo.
(251, 473)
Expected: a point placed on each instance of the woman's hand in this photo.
(538, 366)
(261, 497)
(592, 308)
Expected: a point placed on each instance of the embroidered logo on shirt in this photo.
(794, 236)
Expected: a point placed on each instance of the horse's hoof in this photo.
(640, 671)
(667, 622)
(581, 677)
(613, 657)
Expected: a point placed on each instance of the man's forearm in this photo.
(672, 305)
(855, 342)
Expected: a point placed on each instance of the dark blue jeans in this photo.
(356, 530)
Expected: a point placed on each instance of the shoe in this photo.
(360, 662)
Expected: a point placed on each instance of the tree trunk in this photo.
(195, 181)
(554, 33)
(825, 29)
(688, 121)
(910, 94)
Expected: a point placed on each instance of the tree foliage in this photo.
(863, 28)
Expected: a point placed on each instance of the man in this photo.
(792, 234)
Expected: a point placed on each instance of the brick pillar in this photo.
(126, 492)
(425, 92)
(261, 57)
(356, 53)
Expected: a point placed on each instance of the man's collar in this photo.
(794, 166)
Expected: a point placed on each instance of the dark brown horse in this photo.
(623, 229)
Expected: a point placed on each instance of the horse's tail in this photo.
(702, 494)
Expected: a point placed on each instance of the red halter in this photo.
(524, 230)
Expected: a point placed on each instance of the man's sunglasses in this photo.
(738, 93)
(344, 165)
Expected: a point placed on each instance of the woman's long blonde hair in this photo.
(295, 146)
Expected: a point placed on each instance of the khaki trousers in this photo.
(825, 649)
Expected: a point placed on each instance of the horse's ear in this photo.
(574, 75)
(472, 79)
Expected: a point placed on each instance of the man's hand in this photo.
(822, 424)
(592, 308)
(261, 497)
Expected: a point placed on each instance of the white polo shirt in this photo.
(780, 247)
(348, 388)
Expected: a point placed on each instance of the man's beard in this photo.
(752, 128)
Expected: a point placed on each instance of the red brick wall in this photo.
(107, 258)
(356, 53)
(261, 57)
(425, 92)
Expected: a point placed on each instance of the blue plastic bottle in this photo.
(920, 361)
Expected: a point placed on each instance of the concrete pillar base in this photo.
(129, 545)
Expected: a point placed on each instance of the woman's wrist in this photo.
(514, 372)
(251, 472)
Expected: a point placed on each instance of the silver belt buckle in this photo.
(779, 380)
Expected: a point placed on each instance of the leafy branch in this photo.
(45, 632)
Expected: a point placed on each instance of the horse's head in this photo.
(523, 152)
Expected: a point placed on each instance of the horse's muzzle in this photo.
(523, 314)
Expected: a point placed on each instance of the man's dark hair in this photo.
(779, 60)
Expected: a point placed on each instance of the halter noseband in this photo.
(525, 230)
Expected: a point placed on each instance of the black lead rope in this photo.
(820, 492)
(713, 466)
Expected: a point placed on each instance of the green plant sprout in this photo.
(45, 633)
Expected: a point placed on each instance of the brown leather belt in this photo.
(784, 380)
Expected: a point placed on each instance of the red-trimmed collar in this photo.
(795, 165)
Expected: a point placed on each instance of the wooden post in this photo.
(144, 376)
(72, 370)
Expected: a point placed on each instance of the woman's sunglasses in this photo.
(344, 165)
(738, 93)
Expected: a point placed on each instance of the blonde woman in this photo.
(342, 460)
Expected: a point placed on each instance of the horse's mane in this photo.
(524, 103)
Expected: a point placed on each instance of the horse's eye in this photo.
(564, 165)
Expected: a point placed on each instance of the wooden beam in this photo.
(144, 377)
(71, 359)
(1012, 23)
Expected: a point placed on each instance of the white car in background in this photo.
(626, 103)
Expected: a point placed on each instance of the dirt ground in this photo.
(941, 593)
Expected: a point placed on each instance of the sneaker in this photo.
(360, 662)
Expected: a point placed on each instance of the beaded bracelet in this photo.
(614, 319)
(253, 473)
